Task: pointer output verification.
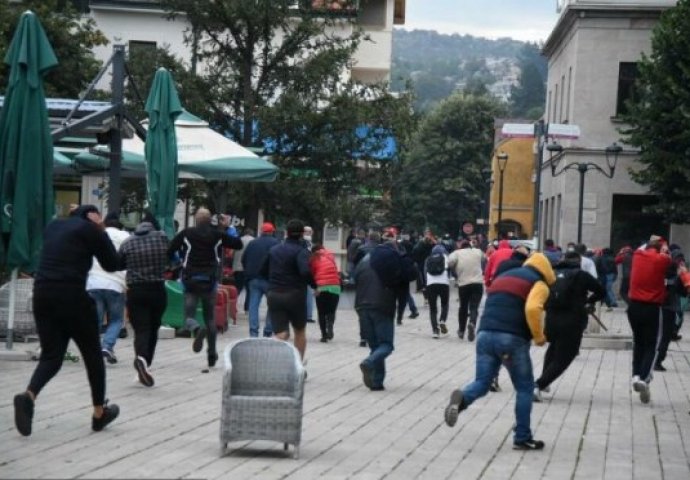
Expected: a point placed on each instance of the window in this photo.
(570, 84)
(555, 104)
(627, 74)
(562, 95)
(548, 109)
(138, 46)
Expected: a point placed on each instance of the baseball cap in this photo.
(268, 227)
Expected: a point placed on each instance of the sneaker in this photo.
(470, 332)
(637, 384)
(530, 444)
(645, 394)
(145, 377)
(212, 359)
(23, 413)
(494, 387)
(435, 335)
(109, 356)
(443, 327)
(536, 396)
(399, 322)
(413, 315)
(324, 340)
(456, 405)
(362, 343)
(461, 334)
(659, 368)
(378, 388)
(110, 413)
(676, 337)
(367, 375)
(310, 320)
(198, 342)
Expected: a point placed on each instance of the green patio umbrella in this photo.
(163, 107)
(26, 151)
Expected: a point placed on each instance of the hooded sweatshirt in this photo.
(503, 253)
(515, 300)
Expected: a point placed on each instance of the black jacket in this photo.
(585, 290)
(371, 293)
(287, 266)
(69, 246)
(255, 255)
(201, 248)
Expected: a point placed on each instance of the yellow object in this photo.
(534, 306)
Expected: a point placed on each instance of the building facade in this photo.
(592, 55)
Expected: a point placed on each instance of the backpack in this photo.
(392, 267)
(561, 292)
(435, 264)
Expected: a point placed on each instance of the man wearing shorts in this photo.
(288, 274)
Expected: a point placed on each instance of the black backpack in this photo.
(435, 264)
(561, 292)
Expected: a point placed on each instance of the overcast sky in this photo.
(520, 19)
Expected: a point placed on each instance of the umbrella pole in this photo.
(10, 313)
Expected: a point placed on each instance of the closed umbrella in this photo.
(26, 150)
(163, 107)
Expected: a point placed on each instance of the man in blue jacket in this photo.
(252, 260)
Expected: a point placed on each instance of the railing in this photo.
(331, 8)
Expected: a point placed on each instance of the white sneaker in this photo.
(435, 335)
(536, 396)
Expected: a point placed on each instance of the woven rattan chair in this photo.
(263, 389)
(24, 323)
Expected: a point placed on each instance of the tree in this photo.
(276, 79)
(449, 150)
(657, 115)
(73, 39)
(528, 97)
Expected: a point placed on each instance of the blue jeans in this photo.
(494, 349)
(113, 303)
(610, 295)
(378, 330)
(310, 303)
(257, 289)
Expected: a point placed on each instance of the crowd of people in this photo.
(90, 269)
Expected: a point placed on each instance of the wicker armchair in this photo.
(263, 389)
(24, 323)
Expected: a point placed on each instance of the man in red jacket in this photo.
(647, 293)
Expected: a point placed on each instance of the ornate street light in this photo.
(502, 161)
(611, 152)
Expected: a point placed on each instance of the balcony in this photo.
(329, 8)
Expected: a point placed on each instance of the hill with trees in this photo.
(435, 65)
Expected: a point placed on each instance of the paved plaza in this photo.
(593, 426)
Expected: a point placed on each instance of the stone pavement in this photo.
(593, 426)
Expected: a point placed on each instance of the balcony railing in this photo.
(331, 8)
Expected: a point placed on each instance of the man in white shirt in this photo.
(108, 290)
(238, 269)
(466, 262)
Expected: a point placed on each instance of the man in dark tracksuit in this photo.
(565, 326)
(63, 310)
(202, 252)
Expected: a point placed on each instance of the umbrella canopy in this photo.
(201, 153)
(26, 147)
(163, 106)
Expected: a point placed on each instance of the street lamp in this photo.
(502, 161)
(611, 152)
(486, 212)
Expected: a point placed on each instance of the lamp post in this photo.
(502, 161)
(486, 212)
(611, 152)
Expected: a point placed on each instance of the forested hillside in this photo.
(437, 64)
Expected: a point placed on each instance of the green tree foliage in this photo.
(528, 97)
(72, 37)
(449, 151)
(658, 115)
(274, 79)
